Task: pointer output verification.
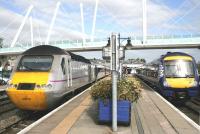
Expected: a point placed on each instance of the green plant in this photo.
(101, 90)
(127, 89)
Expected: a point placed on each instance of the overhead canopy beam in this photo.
(181, 46)
(138, 47)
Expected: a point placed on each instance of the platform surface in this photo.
(157, 116)
(150, 115)
(77, 117)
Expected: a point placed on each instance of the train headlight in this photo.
(49, 86)
(194, 83)
(12, 85)
(44, 86)
(38, 86)
(166, 84)
(15, 85)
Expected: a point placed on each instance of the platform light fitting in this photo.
(106, 51)
(108, 44)
(129, 44)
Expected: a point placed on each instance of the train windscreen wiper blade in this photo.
(28, 68)
(189, 75)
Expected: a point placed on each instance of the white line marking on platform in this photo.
(25, 130)
(190, 121)
(194, 124)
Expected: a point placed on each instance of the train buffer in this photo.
(150, 115)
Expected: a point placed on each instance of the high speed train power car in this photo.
(175, 74)
(44, 74)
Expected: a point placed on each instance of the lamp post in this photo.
(122, 51)
(110, 53)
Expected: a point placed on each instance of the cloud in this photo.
(10, 22)
(112, 16)
(124, 16)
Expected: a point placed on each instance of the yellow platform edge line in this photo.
(64, 126)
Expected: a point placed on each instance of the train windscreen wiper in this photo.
(189, 75)
(27, 68)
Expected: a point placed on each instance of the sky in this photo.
(164, 17)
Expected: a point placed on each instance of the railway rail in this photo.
(17, 119)
(194, 104)
(9, 114)
(5, 104)
(191, 108)
(13, 120)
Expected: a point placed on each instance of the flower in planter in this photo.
(128, 89)
(102, 90)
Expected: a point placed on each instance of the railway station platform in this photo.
(150, 115)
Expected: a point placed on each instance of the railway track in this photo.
(9, 118)
(5, 104)
(17, 119)
(194, 104)
(25, 119)
(9, 114)
(191, 108)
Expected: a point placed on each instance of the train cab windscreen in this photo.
(179, 69)
(35, 63)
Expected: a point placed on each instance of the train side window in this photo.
(63, 66)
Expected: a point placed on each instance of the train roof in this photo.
(78, 57)
(175, 54)
(45, 50)
(157, 61)
(52, 50)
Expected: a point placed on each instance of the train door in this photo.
(64, 71)
(69, 71)
(89, 73)
(93, 72)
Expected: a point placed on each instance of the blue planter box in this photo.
(123, 111)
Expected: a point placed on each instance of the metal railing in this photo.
(137, 40)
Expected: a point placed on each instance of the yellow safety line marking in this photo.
(64, 126)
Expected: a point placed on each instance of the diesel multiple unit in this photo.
(175, 74)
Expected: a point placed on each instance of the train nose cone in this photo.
(28, 100)
(23, 92)
(180, 82)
